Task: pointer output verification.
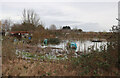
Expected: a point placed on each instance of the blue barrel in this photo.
(45, 41)
(29, 38)
(73, 45)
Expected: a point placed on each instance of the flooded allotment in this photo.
(59, 39)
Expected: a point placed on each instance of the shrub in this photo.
(93, 61)
(23, 27)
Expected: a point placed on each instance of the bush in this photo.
(23, 27)
(96, 60)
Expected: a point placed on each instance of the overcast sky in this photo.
(89, 16)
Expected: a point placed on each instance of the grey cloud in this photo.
(73, 14)
(89, 27)
(57, 22)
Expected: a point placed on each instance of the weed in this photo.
(48, 73)
(65, 66)
(54, 71)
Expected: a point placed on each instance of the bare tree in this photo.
(29, 16)
(6, 24)
(52, 27)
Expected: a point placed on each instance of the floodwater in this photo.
(81, 45)
(60, 51)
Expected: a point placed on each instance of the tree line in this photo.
(30, 21)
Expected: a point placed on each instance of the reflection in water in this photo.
(81, 45)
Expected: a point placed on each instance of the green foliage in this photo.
(48, 73)
(55, 71)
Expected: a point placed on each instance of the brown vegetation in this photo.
(95, 63)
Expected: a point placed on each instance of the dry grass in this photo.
(96, 64)
(8, 50)
(21, 67)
